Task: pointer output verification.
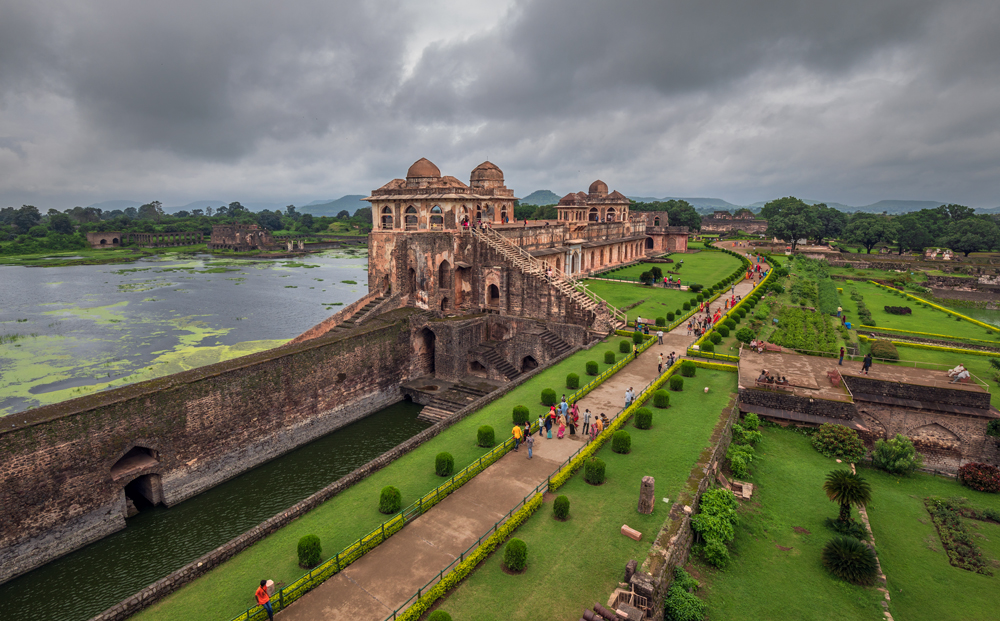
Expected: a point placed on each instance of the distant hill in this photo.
(351, 202)
(895, 207)
(112, 205)
(541, 197)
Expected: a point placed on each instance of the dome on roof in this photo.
(598, 187)
(423, 168)
(487, 171)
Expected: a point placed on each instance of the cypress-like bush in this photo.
(624, 347)
(310, 552)
(520, 415)
(572, 381)
(637, 337)
(661, 398)
(484, 437)
(850, 560)
(548, 397)
(560, 508)
(621, 442)
(593, 471)
(661, 321)
(709, 347)
(643, 418)
(729, 323)
(676, 383)
(700, 297)
(609, 357)
(439, 615)
(591, 368)
(723, 331)
(515, 555)
(444, 465)
(688, 368)
(670, 317)
(390, 500)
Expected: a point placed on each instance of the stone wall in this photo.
(915, 392)
(57, 491)
(785, 401)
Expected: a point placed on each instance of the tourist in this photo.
(762, 377)
(517, 431)
(961, 375)
(263, 599)
(866, 363)
(839, 310)
(541, 425)
(562, 426)
(659, 337)
(574, 420)
(586, 421)
(548, 423)
(955, 371)
(690, 328)
(527, 430)
(842, 352)
(659, 365)
(563, 407)
(529, 441)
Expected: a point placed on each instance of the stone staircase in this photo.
(450, 401)
(351, 321)
(487, 351)
(565, 284)
(559, 346)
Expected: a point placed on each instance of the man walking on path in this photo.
(263, 599)
(563, 407)
(541, 425)
(659, 365)
(866, 364)
(659, 337)
(529, 442)
(841, 356)
(586, 421)
(517, 431)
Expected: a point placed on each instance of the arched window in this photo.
(503, 214)
(656, 221)
(411, 218)
(437, 220)
(386, 217)
(592, 216)
(611, 215)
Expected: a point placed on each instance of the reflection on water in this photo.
(160, 540)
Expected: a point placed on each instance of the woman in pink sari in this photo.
(562, 426)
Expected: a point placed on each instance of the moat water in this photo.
(69, 331)
(159, 540)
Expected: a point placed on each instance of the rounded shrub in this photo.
(678, 313)
(439, 615)
(560, 508)
(686, 306)
(661, 321)
(670, 317)
(609, 357)
(839, 442)
(637, 337)
(688, 368)
(643, 418)
(729, 323)
(390, 500)
(885, 350)
(572, 381)
(484, 437)
(676, 383)
(700, 297)
(624, 347)
(593, 471)
(850, 560)
(742, 312)
(980, 477)
(515, 555)
(444, 465)
(621, 442)
(548, 397)
(661, 399)
(745, 335)
(591, 368)
(723, 331)
(709, 347)
(310, 552)
(695, 287)
(715, 337)
(520, 415)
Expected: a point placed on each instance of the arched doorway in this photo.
(411, 281)
(649, 243)
(142, 489)
(444, 304)
(411, 218)
(528, 364)
(424, 347)
(493, 296)
(437, 218)
(656, 221)
(386, 217)
(444, 276)
(592, 215)
(476, 368)
(114, 241)
(611, 215)
(104, 242)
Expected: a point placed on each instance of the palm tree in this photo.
(847, 489)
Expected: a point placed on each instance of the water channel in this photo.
(159, 540)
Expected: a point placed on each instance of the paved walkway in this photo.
(382, 580)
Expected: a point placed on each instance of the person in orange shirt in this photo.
(264, 599)
(518, 432)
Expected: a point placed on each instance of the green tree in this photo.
(269, 220)
(868, 229)
(132, 213)
(977, 234)
(790, 220)
(343, 214)
(847, 489)
(61, 223)
(912, 233)
(26, 217)
(832, 220)
(152, 211)
(291, 213)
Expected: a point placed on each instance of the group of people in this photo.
(958, 374)
(559, 418)
(670, 360)
(767, 378)
(757, 345)
(667, 282)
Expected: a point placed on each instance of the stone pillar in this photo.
(646, 492)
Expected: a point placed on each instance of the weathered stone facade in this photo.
(661, 237)
(240, 237)
(725, 222)
(109, 239)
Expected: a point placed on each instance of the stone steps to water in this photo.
(450, 401)
(349, 323)
(432, 414)
(559, 346)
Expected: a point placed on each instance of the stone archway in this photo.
(493, 296)
(528, 363)
(137, 471)
(424, 349)
(649, 243)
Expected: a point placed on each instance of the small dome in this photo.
(423, 168)
(598, 187)
(487, 171)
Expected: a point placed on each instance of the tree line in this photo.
(949, 226)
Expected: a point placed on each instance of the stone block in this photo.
(631, 533)
(647, 495)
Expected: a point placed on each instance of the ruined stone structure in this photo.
(110, 239)
(161, 240)
(660, 236)
(240, 237)
(725, 222)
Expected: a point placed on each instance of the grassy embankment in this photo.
(572, 563)
(227, 590)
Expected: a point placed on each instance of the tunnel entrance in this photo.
(145, 490)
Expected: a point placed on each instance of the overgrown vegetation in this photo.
(715, 525)
(839, 442)
(896, 455)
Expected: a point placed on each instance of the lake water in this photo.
(69, 331)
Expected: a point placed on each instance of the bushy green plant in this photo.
(439, 615)
(851, 528)
(980, 476)
(742, 312)
(444, 465)
(742, 435)
(729, 323)
(681, 604)
(676, 383)
(646, 278)
(390, 500)
(548, 397)
(686, 306)
(485, 437)
(661, 398)
(896, 455)
(643, 418)
(695, 287)
(591, 368)
(716, 524)
(700, 297)
(593, 471)
(310, 552)
(637, 337)
(656, 272)
(993, 428)
(515, 555)
(624, 347)
(661, 321)
(740, 456)
(621, 442)
(847, 489)
(745, 335)
(723, 331)
(839, 442)
(709, 346)
(609, 357)
(850, 560)
(751, 421)
(520, 415)
(560, 508)
(715, 337)
(688, 368)
(884, 350)
(573, 381)
(670, 317)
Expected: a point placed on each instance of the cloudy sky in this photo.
(850, 101)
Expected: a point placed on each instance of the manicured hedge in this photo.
(593, 471)
(624, 347)
(715, 337)
(709, 347)
(560, 508)
(723, 331)
(310, 552)
(444, 465)
(621, 442)
(591, 369)
(643, 418)
(520, 415)
(390, 500)
(661, 398)
(688, 368)
(572, 381)
(609, 357)
(676, 383)
(515, 555)
(661, 321)
(485, 436)
(548, 397)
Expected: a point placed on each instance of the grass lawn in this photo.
(573, 563)
(922, 319)
(706, 268)
(922, 584)
(659, 301)
(775, 572)
(227, 590)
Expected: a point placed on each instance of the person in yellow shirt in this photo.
(518, 432)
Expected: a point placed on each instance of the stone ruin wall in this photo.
(206, 425)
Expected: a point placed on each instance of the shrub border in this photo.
(940, 308)
(944, 336)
